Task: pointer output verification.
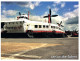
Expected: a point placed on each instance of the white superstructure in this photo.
(24, 25)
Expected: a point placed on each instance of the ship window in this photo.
(26, 17)
(16, 22)
(39, 26)
(54, 27)
(23, 17)
(36, 26)
(57, 28)
(51, 26)
(5, 23)
(11, 27)
(47, 26)
(2, 24)
(20, 22)
(13, 22)
(8, 27)
(23, 21)
(43, 26)
(60, 29)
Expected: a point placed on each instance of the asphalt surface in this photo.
(67, 50)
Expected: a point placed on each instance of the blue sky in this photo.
(65, 9)
(39, 10)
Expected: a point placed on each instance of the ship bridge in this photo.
(22, 16)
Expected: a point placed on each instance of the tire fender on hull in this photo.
(30, 34)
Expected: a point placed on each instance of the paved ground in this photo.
(39, 48)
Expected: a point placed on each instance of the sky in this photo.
(67, 11)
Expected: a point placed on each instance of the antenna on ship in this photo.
(19, 13)
(59, 24)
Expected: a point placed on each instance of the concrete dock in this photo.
(39, 48)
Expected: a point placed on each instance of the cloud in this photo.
(70, 27)
(54, 10)
(75, 6)
(37, 3)
(46, 13)
(74, 13)
(69, 9)
(73, 20)
(29, 4)
(4, 18)
(6, 13)
(31, 17)
(59, 3)
(9, 12)
(48, 7)
(39, 18)
(62, 5)
(57, 19)
(55, 3)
